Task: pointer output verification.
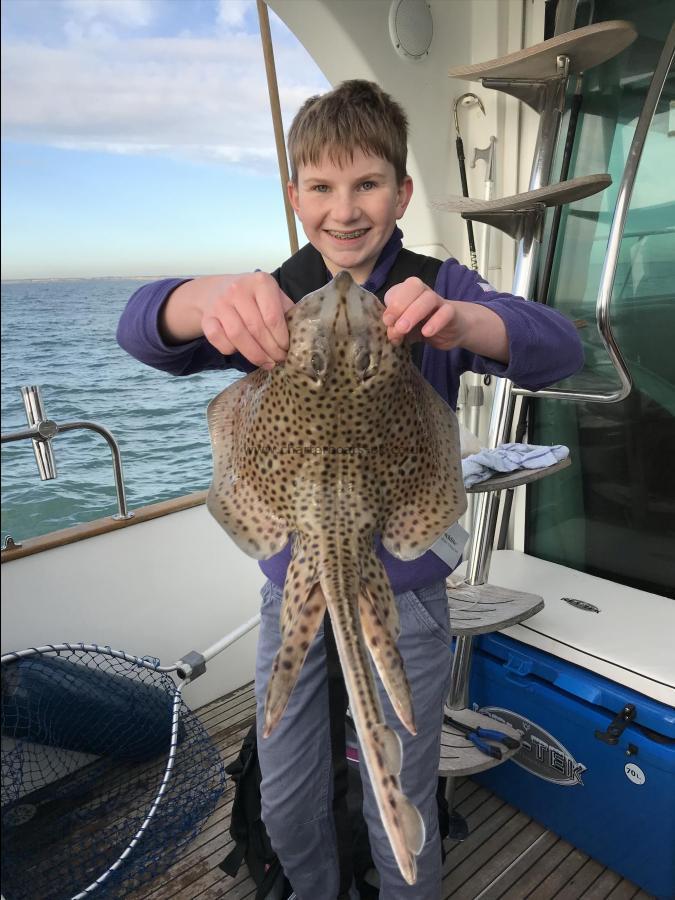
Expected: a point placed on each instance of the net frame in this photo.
(184, 673)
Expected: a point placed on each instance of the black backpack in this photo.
(247, 830)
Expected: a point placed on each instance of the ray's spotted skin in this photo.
(343, 441)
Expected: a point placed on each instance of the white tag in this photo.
(450, 545)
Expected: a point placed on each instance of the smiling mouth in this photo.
(348, 235)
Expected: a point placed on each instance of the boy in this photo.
(349, 187)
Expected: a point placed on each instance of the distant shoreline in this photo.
(88, 278)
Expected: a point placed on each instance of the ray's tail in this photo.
(364, 619)
(350, 603)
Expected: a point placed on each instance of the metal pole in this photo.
(272, 87)
(557, 212)
(193, 664)
(523, 283)
(473, 391)
(116, 460)
(544, 288)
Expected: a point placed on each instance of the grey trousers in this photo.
(295, 760)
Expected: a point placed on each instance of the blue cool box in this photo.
(615, 802)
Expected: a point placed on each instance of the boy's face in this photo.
(348, 212)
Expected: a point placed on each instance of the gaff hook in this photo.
(466, 101)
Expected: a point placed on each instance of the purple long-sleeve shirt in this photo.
(543, 348)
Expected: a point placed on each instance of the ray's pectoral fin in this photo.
(435, 497)
(234, 498)
(302, 613)
(385, 655)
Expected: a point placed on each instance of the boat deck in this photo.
(507, 854)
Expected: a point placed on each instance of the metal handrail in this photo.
(43, 430)
(607, 278)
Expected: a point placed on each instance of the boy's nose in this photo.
(346, 209)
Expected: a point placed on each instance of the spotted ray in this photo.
(343, 441)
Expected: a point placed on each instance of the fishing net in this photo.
(106, 773)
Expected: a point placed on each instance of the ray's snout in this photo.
(343, 281)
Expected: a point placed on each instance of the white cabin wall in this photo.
(160, 588)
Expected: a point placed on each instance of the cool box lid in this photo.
(619, 632)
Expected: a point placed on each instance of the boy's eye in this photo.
(320, 188)
(368, 185)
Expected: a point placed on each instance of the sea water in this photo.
(60, 335)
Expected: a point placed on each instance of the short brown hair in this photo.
(356, 115)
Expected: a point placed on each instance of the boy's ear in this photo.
(405, 191)
(292, 190)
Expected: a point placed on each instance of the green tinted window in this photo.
(613, 512)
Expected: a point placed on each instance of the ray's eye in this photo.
(365, 363)
(318, 362)
(362, 361)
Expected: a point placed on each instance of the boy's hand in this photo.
(247, 316)
(413, 309)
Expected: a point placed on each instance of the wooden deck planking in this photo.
(521, 836)
(583, 878)
(227, 721)
(602, 886)
(507, 856)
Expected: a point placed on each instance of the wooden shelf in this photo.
(482, 608)
(510, 480)
(585, 48)
(550, 195)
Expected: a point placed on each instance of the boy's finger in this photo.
(443, 316)
(250, 314)
(400, 297)
(420, 309)
(272, 304)
(286, 302)
(239, 335)
(396, 338)
(214, 334)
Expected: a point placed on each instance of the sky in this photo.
(137, 137)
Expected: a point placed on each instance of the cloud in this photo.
(232, 13)
(130, 13)
(100, 19)
(198, 98)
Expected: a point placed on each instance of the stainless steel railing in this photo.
(485, 514)
(42, 431)
(608, 275)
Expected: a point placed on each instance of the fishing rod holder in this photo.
(541, 96)
(524, 225)
(41, 431)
